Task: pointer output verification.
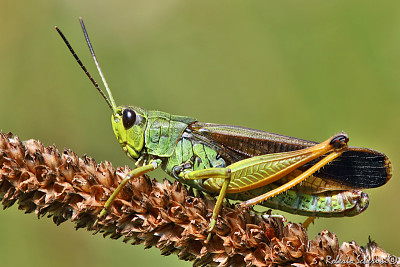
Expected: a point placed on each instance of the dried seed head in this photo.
(165, 215)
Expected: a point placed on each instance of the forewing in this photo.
(246, 142)
(355, 168)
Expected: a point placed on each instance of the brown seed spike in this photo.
(165, 215)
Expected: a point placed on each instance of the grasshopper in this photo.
(320, 179)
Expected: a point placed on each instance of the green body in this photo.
(170, 138)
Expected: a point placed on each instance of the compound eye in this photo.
(128, 118)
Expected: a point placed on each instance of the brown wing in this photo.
(247, 142)
(356, 168)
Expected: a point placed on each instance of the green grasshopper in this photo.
(320, 179)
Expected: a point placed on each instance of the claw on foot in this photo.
(101, 215)
(308, 221)
(212, 225)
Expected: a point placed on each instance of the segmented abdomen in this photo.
(328, 204)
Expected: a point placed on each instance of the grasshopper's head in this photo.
(128, 122)
(129, 125)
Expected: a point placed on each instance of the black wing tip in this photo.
(359, 168)
(381, 162)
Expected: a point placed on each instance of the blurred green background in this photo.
(304, 69)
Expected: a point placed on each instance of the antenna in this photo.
(97, 63)
(112, 107)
